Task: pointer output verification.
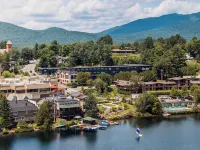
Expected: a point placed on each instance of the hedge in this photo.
(161, 92)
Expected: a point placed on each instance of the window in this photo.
(15, 113)
(22, 118)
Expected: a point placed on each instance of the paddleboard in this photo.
(140, 135)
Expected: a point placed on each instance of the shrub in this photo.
(25, 74)
(162, 92)
(23, 127)
(8, 74)
(5, 131)
(124, 92)
(20, 130)
(101, 109)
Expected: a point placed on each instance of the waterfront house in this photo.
(64, 107)
(23, 110)
(68, 107)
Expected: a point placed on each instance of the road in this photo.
(30, 68)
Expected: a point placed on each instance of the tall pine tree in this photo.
(44, 114)
(5, 112)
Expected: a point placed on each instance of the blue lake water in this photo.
(177, 133)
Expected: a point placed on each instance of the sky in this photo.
(88, 15)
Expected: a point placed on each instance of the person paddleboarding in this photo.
(138, 132)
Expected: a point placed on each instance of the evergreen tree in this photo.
(44, 115)
(105, 40)
(5, 113)
(36, 48)
(91, 106)
(5, 61)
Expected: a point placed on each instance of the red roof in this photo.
(53, 86)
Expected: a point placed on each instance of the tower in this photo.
(8, 46)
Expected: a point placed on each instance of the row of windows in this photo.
(70, 103)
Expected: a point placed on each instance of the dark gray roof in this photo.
(22, 105)
(75, 94)
(125, 65)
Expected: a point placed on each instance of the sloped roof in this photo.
(21, 105)
(9, 42)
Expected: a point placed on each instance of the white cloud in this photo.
(88, 15)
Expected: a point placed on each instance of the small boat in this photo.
(166, 115)
(138, 132)
(102, 127)
(90, 129)
(104, 123)
(116, 123)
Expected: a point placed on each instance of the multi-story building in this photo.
(94, 70)
(180, 82)
(162, 85)
(69, 74)
(30, 87)
(23, 110)
(68, 107)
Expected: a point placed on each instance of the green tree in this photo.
(15, 55)
(43, 61)
(42, 46)
(82, 77)
(105, 40)
(100, 86)
(5, 60)
(178, 59)
(65, 50)
(27, 54)
(105, 78)
(122, 76)
(44, 115)
(3, 44)
(52, 61)
(5, 113)
(193, 88)
(36, 51)
(8, 74)
(197, 96)
(148, 43)
(136, 82)
(174, 91)
(184, 91)
(1, 122)
(90, 83)
(148, 75)
(148, 103)
(54, 48)
(91, 106)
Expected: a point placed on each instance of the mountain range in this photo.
(187, 26)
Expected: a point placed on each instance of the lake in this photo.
(177, 133)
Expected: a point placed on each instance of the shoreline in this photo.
(135, 115)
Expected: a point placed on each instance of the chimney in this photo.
(26, 103)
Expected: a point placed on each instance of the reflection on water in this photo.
(159, 133)
(137, 139)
